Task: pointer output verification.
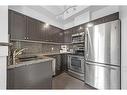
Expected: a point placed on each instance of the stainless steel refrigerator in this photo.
(102, 55)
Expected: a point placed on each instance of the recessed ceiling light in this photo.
(80, 28)
(90, 24)
(46, 25)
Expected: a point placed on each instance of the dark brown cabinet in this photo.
(33, 76)
(49, 34)
(78, 29)
(64, 62)
(69, 32)
(42, 31)
(10, 78)
(54, 34)
(59, 64)
(33, 29)
(68, 35)
(60, 36)
(57, 35)
(22, 27)
(17, 25)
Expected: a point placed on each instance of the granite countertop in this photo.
(44, 54)
(38, 60)
(42, 58)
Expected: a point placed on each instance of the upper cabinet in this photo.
(68, 35)
(54, 34)
(69, 32)
(22, 27)
(17, 25)
(34, 29)
(78, 29)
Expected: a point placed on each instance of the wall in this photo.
(69, 24)
(89, 14)
(123, 17)
(103, 12)
(3, 49)
(77, 20)
(35, 48)
(85, 17)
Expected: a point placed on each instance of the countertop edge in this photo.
(26, 63)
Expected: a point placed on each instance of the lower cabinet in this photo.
(61, 62)
(64, 62)
(58, 65)
(34, 76)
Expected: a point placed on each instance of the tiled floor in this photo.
(65, 81)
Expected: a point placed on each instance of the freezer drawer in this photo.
(102, 76)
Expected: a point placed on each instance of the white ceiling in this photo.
(62, 12)
(56, 10)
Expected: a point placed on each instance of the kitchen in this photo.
(85, 54)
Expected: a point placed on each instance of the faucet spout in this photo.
(16, 53)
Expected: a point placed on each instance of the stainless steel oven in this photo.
(76, 66)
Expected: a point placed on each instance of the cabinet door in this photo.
(57, 35)
(68, 35)
(17, 25)
(49, 34)
(40, 75)
(61, 37)
(58, 63)
(42, 31)
(58, 67)
(54, 34)
(21, 78)
(78, 29)
(64, 65)
(34, 76)
(10, 78)
(33, 29)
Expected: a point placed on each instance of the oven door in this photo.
(76, 63)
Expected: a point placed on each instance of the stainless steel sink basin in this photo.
(29, 58)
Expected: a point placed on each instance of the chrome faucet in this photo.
(16, 53)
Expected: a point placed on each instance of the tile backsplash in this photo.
(38, 48)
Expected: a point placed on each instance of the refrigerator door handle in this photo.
(86, 43)
(102, 65)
